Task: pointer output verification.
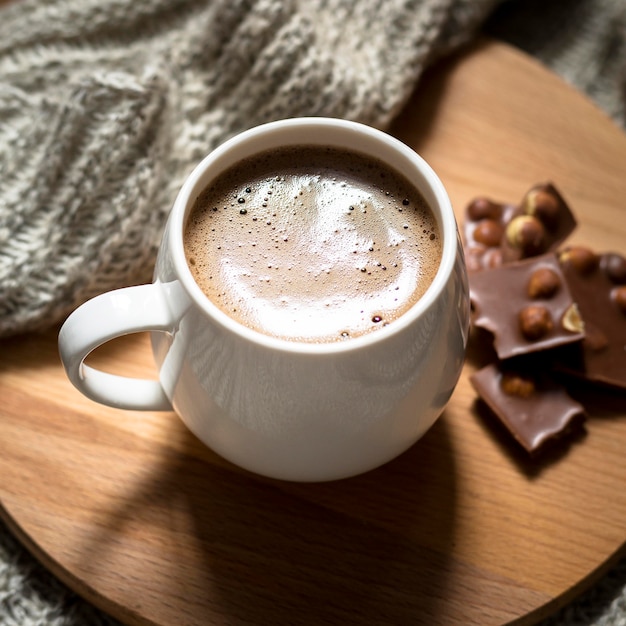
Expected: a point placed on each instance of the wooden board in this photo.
(136, 515)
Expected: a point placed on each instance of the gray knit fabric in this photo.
(106, 105)
(584, 41)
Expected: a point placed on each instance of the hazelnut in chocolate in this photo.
(496, 233)
(483, 232)
(597, 283)
(527, 306)
(548, 312)
(533, 407)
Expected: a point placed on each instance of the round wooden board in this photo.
(132, 512)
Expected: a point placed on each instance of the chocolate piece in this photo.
(527, 306)
(495, 234)
(598, 288)
(533, 407)
(484, 231)
(546, 204)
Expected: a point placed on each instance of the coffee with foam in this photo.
(312, 244)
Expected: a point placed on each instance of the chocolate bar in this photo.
(550, 313)
(495, 234)
(527, 306)
(533, 407)
(597, 283)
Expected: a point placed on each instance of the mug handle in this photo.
(101, 319)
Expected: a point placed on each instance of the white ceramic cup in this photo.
(288, 410)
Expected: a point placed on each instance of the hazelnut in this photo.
(572, 320)
(544, 283)
(614, 266)
(488, 232)
(516, 385)
(526, 233)
(618, 295)
(544, 205)
(583, 260)
(482, 208)
(535, 322)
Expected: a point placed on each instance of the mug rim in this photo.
(186, 198)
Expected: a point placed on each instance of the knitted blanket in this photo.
(106, 106)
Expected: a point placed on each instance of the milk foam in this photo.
(312, 244)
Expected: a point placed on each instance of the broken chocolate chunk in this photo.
(495, 234)
(533, 407)
(527, 306)
(596, 288)
(554, 318)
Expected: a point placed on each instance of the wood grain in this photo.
(136, 515)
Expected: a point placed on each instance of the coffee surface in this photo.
(312, 244)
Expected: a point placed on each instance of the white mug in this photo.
(283, 409)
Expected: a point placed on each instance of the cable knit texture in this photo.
(106, 106)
